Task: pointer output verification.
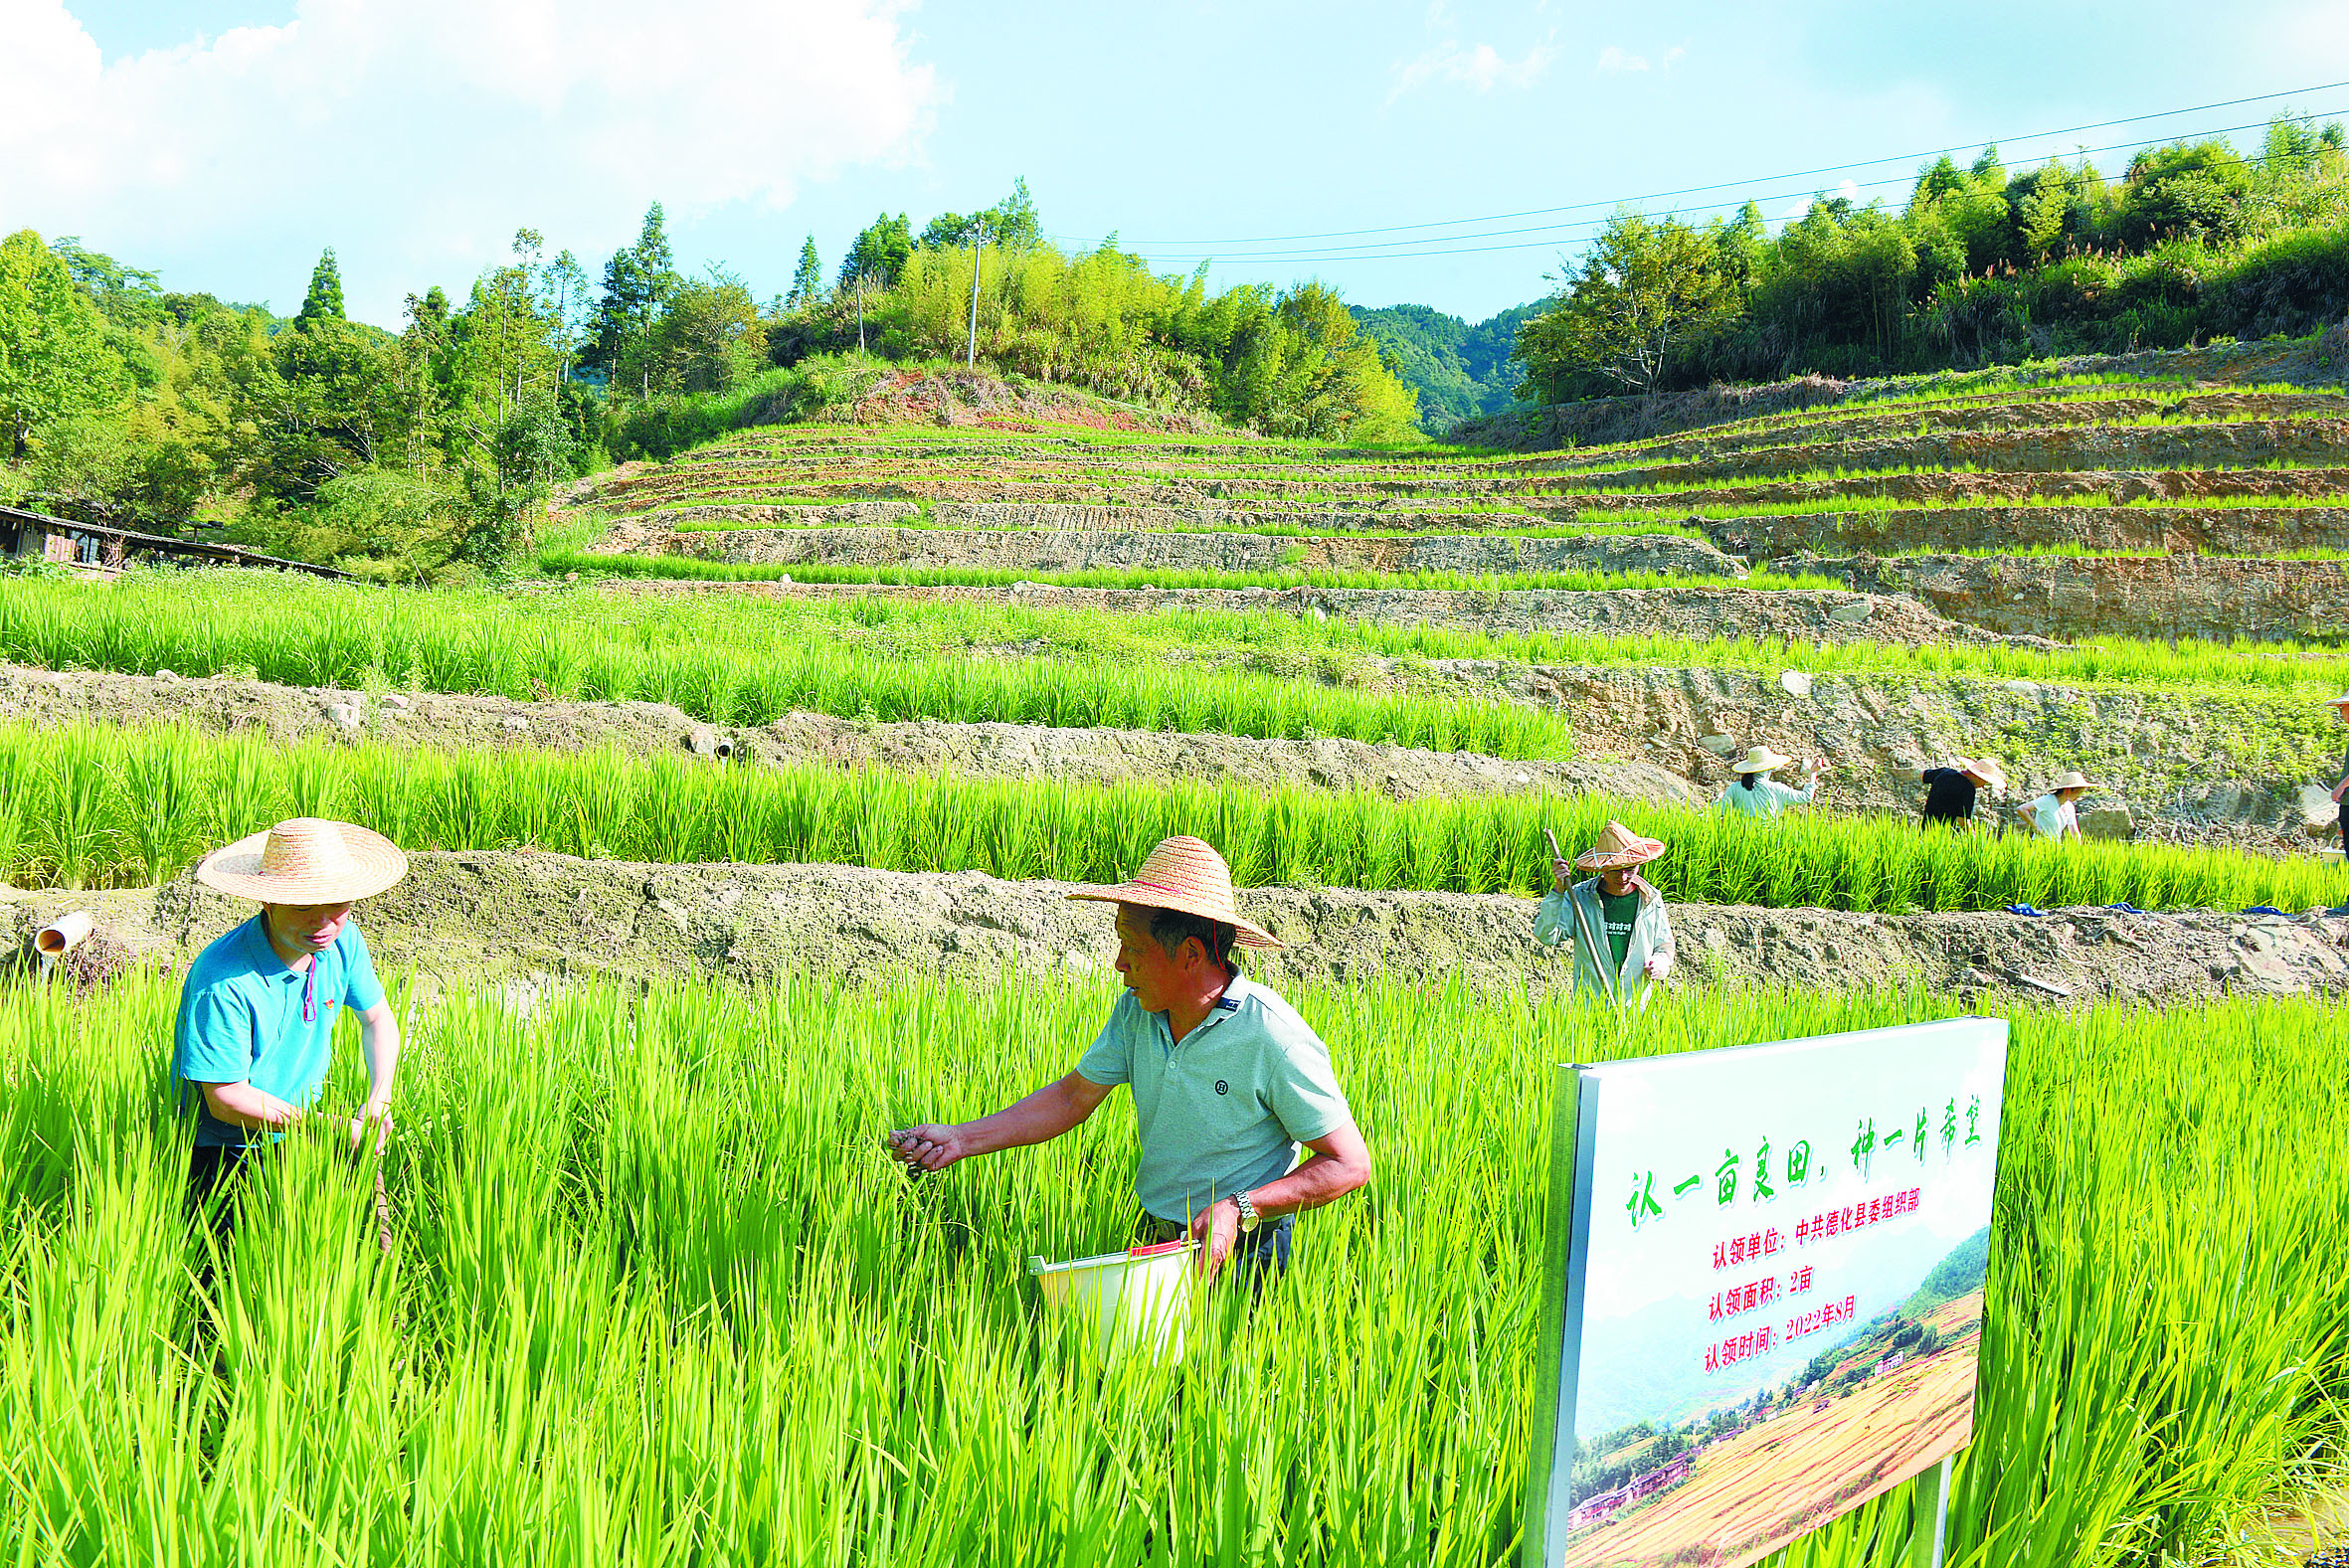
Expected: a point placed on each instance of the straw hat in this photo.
(304, 860)
(1185, 874)
(1618, 846)
(2342, 701)
(1982, 770)
(1760, 761)
(2072, 780)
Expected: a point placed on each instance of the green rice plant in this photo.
(76, 821)
(637, 1232)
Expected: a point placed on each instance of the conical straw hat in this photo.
(2074, 779)
(1185, 874)
(1983, 769)
(1761, 759)
(1618, 846)
(305, 860)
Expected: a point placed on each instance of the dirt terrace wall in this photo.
(2205, 529)
(523, 919)
(1603, 420)
(2195, 757)
(2048, 449)
(2074, 597)
(470, 723)
(2116, 487)
(1800, 615)
(1012, 549)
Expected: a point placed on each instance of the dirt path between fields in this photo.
(525, 920)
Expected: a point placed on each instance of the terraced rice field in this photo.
(749, 842)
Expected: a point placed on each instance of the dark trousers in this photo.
(212, 1175)
(1263, 1255)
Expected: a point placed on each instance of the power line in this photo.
(1559, 233)
(1692, 190)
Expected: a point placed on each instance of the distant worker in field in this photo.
(1755, 794)
(2053, 814)
(1227, 1080)
(1950, 790)
(258, 1011)
(2340, 707)
(1615, 919)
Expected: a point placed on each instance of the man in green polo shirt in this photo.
(1227, 1080)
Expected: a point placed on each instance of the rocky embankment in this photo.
(2195, 763)
(1797, 614)
(527, 921)
(2211, 598)
(1014, 550)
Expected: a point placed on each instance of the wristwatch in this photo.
(1248, 1214)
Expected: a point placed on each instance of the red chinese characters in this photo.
(1747, 1249)
(1746, 1297)
(1740, 1347)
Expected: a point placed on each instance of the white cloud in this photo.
(1616, 57)
(1483, 67)
(425, 132)
(1849, 191)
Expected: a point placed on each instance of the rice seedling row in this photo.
(87, 806)
(857, 652)
(658, 1298)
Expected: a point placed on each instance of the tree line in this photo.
(1981, 264)
(430, 451)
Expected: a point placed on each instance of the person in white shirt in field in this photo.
(1755, 794)
(2053, 815)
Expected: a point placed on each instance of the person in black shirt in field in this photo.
(1950, 790)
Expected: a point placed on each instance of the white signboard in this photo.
(1765, 1286)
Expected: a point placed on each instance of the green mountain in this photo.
(1461, 371)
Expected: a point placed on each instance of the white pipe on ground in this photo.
(62, 934)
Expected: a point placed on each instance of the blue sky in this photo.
(224, 142)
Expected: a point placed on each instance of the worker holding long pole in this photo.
(1616, 921)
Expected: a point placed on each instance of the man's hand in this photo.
(2339, 788)
(1560, 875)
(1216, 1229)
(1655, 966)
(930, 1146)
(375, 1114)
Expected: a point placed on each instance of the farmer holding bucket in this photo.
(1227, 1078)
(1616, 921)
(258, 1011)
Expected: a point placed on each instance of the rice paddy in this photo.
(655, 1295)
(91, 807)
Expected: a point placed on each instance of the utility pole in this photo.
(971, 358)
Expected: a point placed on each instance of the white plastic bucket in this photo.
(1137, 1300)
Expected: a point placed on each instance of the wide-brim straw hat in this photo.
(1185, 874)
(2342, 701)
(1617, 847)
(1982, 770)
(2074, 779)
(1761, 759)
(305, 860)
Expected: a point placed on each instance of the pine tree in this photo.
(808, 281)
(324, 300)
